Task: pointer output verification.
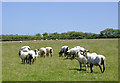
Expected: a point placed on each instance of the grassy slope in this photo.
(58, 68)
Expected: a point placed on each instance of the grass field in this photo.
(58, 68)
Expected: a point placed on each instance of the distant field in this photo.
(58, 68)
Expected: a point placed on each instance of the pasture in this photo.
(58, 68)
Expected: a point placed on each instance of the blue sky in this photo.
(30, 18)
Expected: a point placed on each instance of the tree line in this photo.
(107, 33)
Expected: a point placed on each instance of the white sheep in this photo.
(73, 52)
(94, 59)
(25, 48)
(42, 51)
(20, 41)
(23, 56)
(80, 48)
(32, 55)
(64, 50)
(49, 50)
(82, 60)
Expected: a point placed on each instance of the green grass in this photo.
(58, 68)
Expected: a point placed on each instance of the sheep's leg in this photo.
(86, 67)
(30, 61)
(67, 56)
(100, 68)
(103, 66)
(91, 65)
(51, 54)
(33, 61)
(72, 57)
(47, 54)
(44, 55)
(80, 66)
(27, 61)
(22, 61)
(64, 54)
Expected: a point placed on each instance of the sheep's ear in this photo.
(87, 51)
(34, 50)
(81, 50)
(28, 48)
(77, 52)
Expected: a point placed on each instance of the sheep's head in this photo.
(60, 53)
(85, 52)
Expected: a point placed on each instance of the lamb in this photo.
(82, 60)
(64, 50)
(42, 51)
(95, 59)
(32, 55)
(49, 50)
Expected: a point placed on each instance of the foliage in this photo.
(107, 33)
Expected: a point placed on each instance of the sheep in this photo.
(64, 50)
(23, 53)
(20, 41)
(25, 48)
(73, 52)
(82, 60)
(95, 59)
(37, 53)
(49, 50)
(23, 56)
(32, 54)
(80, 48)
(42, 51)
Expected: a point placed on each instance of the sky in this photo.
(30, 18)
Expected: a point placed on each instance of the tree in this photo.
(45, 34)
(38, 34)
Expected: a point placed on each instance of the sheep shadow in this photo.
(77, 69)
(67, 59)
(94, 72)
(70, 59)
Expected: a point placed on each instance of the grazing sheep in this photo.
(23, 56)
(49, 50)
(23, 53)
(32, 55)
(42, 51)
(82, 60)
(80, 48)
(72, 52)
(64, 50)
(20, 41)
(94, 59)
(25, 48)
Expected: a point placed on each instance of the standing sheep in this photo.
(82, 60)
(23, 56)
(23, 53)
(64, 50)
(32, 55)
(42, 51)
(49, 50)
(25, 48)
(94, 59)
(74, 51)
